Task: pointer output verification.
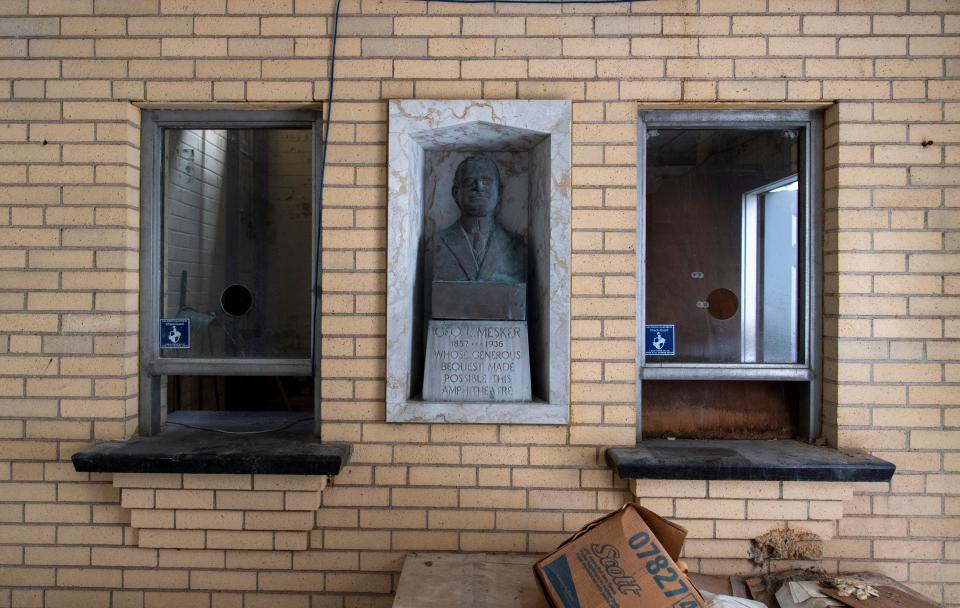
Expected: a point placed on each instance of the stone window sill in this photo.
(189, 488)
(753, 460)
(182, 447)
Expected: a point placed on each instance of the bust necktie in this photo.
(477, 242)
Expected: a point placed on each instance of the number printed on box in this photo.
(664, 575)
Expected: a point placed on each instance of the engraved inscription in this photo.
(477, 361)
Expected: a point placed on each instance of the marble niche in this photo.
(530, 143)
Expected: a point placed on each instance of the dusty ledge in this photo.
(758, 460)
(293, 450)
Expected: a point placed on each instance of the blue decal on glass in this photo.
(658, 340)
(174, 333)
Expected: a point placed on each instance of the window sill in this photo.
(721, 371)
(757, 460)
(294, 450)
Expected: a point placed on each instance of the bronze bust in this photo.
(476, 247)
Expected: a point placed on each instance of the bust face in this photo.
(477, 192)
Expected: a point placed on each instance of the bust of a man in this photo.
(476, 247)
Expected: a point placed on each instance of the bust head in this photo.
(476, 187)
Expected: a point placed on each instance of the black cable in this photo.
(325, 137)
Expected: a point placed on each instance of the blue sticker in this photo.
(174, 333)
(659, 340)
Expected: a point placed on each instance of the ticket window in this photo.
(728, 284)
(229, 272)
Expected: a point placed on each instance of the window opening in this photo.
(229, 249)
(718, 242)
(728, 294)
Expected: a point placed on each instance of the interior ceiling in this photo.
(692, 147)
(676, 152)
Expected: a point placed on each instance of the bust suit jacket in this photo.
(505, 259)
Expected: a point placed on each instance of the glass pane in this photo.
(777, 307)
(723, 244)
(238, 393)
(237, 219)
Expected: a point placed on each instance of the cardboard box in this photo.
(626, 559)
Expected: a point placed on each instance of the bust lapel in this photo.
(498, 244)
(456, 242)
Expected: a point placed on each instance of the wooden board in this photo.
(468, 580)
(714, 409)
(890, 597)
(738, 587)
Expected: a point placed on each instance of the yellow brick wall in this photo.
(887, 70)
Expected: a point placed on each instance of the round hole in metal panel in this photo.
(236, 300)
(723, 303)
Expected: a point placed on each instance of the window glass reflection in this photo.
(723, 243)
(237, 240)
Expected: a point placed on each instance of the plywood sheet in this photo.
(719, 409)
(468, 580)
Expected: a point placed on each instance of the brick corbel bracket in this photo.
(196, 511)
(210, 480)
(763, 484)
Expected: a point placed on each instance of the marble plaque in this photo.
(477, 361)
(530, 142)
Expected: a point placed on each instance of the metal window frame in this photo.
(750, 227)
(811, 178)
(152, 366)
